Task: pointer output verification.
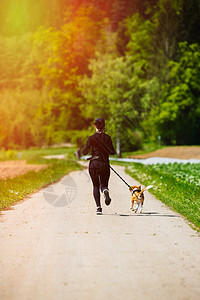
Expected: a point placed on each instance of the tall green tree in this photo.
(68, 53)
(189, 21)
(177, 117)
(71, 47)
(114, 92)
(173, 22)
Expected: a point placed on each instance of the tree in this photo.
(68, 52)
(112, 92)
(164, 37)
(71, 47)
(189, 21)
(18, 122)
(119, 88)
(173, 21)
(177, 118)
(19, 17)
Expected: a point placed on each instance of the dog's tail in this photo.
(145, 189)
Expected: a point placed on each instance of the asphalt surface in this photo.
(53, 246)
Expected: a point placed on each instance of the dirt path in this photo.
(51, 252)
(13, 168)
(181, 152)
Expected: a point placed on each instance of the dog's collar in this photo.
(136, 190)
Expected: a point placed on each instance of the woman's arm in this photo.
(87, 147)
(111, 148)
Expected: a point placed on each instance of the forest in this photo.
(64, 63)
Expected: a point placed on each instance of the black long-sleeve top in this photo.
(101, 145)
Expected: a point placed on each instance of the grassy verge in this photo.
(13, 190)
(146, 148)
(177, 185)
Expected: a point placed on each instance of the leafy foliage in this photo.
(177, 117)
(134, 62)
(112, 98)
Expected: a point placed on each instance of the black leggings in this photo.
(100, 174)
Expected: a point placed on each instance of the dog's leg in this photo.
(141, 204)
(132, 202)
(136, 209)
(139, 208)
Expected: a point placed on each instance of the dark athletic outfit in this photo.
(99, 170)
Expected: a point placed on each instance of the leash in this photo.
(96, 157)
(130, 188)
(120, 177)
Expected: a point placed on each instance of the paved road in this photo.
(55, 247)
(154, 160)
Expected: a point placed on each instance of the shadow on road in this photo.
(146, 214)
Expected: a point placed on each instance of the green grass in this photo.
(34, 152)
(146, 148)
(177, 185)
(13, 190)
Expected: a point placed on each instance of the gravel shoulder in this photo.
(49, 251)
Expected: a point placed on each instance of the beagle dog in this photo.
(137, 197)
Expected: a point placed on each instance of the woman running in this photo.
(99, 170)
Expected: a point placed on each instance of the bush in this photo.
(132, 141)
(8, 155)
